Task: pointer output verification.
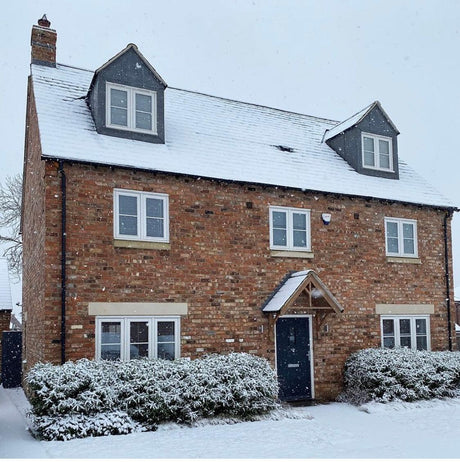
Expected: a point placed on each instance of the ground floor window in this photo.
(132, 337)
(406, 331)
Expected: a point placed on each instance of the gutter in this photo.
(447, 216)
(63, 258)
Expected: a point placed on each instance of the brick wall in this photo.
(5, 318)
(220, 264)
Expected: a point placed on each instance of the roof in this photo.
(213, 137)
(356, 119)
(291, 287)
(5, 289)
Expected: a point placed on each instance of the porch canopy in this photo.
(315, 295)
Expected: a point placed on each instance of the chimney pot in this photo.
(43, 42)
(44, 21)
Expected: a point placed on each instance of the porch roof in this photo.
(296, 283)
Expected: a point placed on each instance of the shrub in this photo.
(385, 375)
(149, 392)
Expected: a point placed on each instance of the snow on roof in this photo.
(5, 289)
(213, 137)
(355, 119)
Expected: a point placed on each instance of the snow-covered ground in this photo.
(429, 429)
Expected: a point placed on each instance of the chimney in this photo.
(43, 42)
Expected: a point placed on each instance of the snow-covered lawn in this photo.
(428, 429)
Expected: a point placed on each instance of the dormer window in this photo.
(377, 152)
(129, 108)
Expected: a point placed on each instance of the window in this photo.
(289, 228)
(131, 337)
(141, 216)
(377, 152)
(129, 108)
(406, 332)
(401, 237)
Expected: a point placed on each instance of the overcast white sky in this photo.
(324, 58)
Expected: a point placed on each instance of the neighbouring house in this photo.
(6, 304)
(167, 223)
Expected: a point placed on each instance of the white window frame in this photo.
(125, 333)
(289, 228)
(131, 108)
(141, 215)
(400, 222)
(413, 319)
(376, 139)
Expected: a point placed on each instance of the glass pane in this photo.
(279, 219)
(128, 225)
(154, 207)
(388, 327)
(166, 351)
(408, 230)
(404, 326)
(143, 120)
(300, 239)
(119, 116)
(384, 147)
(369, 159)
(279, 237)
(110, 352)
(409, 246)
(405, 342)
(143, 103)
(110, 340)
(299, 220)
(165, 331)
(368, 144)
(155, 227)
(384, 161)
(389, 342)
(392, 244)
(118, 98)
(139, 332)
(422, 343)
(127, 205)
(420, 326)
(392, 229)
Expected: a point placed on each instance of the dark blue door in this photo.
(11, 372)
(293, 358)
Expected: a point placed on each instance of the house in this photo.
(167, 223)
(6, 305)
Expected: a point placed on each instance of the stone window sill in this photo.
(291, 254)
(409, 260)
(141, 244)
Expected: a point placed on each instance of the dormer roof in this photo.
(355, 120)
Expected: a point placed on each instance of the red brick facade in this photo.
(219, 263)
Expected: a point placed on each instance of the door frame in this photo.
(310, 333)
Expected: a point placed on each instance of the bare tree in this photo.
(10, 222)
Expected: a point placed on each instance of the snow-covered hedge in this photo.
(77, 394)
(385, 375)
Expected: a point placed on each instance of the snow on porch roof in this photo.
(292, 286)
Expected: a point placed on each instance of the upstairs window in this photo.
(401, 237)
(377, 152)
(289, 229)
(406, 332)
(141, 216)
(130, 108)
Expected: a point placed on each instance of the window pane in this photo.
(408, 230)
(139, 339)
(409, 247)
(404, 326)
(166, 351)
(143, 120)
(389, 342)
(154, 207)
(155, 227)
(279, 219)
(392, 244)
(368, 148)
(420, 326)
(279, 237)
(369, 159)
(118, 98)
(405, 342)
(143, 103)
(110, 340)
(128, 225)
(384, 161)
(165, 331)
(368, 144)
(119, 116)
(300, 239)
(422, 343)
(388, 327)
(127, 205)
(384, 147)
(299, 220)
(392, 229)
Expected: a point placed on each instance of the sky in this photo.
(327, 58)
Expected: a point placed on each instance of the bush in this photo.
(385, 375)
(149, 392)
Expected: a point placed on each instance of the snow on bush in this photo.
(78, 393)
(385, 375)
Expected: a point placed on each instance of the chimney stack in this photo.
(43, 42)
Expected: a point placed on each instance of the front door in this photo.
(293, 358)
